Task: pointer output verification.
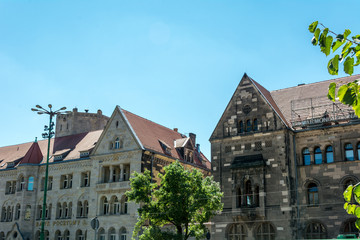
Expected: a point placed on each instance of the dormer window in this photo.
(10, 165)
(58, 157)
(117, 143)
(84, 154)
(166, 148)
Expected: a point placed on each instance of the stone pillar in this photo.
(121, 172)
(111, 174)
(102, 174)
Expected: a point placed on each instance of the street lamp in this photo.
(48, 134)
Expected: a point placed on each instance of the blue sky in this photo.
(176, 63)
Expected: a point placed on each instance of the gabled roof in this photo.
(33, 155)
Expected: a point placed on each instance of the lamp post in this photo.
(48, 134)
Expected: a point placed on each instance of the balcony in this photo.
(113, 185)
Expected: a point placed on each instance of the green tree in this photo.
(352, 202)
(348, 56)
(183, 201)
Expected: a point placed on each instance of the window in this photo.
(115, 205)
(313, 194)
(349, 153)
(255, 125)
(39, 212)
(117, 143)
(66, 181)
(49, 183)
(21, 183)
(349, 227)
(101, 234)
(240, 127)
(315, 230)
(17, 211)
(59, 210)
(124, 205)
(227, 149)
(265, 231)
(58, 235)
(306, 156)
(358, 151)
(79, 235)
(85, 179)
(318, 155)
(238, 197)
(237, 232)
(104, 206)
(112, 234)
(329, 154)
(31, 184)
(256, 197)
(248, 194)
(9, 213)
(248, 125)
(10, 187)
(3, 214)
(123, 233)
(66, 235)
(80, 209)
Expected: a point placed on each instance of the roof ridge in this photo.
(307, 84)
(152, 122)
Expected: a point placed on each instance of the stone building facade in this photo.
(92, 158)
(283, 159)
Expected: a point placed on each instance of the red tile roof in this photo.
(33, 155)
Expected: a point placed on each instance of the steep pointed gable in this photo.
(118, 135)
(33, 155)
(252, 92)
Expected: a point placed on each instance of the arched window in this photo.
(31, 184)
(315, 230)
(349, 153)
(248, 194)
(240, 127)
(48, 211)
(306, 156)
(318, 155)
(39, 212)
(2, 236)
(58, 235)
(37, 235)
(329, 154)
(66, 235)
(256, 196)
(265, 231)
(21, 183)
(238, 197)
(237, 232)
(248, 125)
(255, 125)
(104, 206)
(349, 227)
(86, 208)
(122, 233)
(65, 210)
(117, 143)
(59, 210)
(115, 208)
(17, 211)
(101, 234)
(112, 234)
(80, 209)
(124, 205)
(347, 182)
(313, 194)
(9, 213)
(46, 235)
(79, 235)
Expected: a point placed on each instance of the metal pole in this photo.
(42, 234)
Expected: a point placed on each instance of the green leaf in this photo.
(336, 45)
(328, 43)
(315, 39)
(357, 223)
(357, 108)
(346, 33)
(313, 26)
(323, 41)
(331, 93)
(357, 212)
(347, 193)
(356, 188)
(346, 47)
(346, 205)
(351, 209)
(346, 96)
(349, 65)
(333, 66)
(356, 38)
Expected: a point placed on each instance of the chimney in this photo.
(192, 138)
(176, 129)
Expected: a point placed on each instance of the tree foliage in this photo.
(347, 54)
(352, 202)
(183, 201)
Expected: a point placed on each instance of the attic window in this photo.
(166, 148)
(10, 165)
(58, 157)
(84, 154)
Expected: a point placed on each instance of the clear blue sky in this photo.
(176, 63)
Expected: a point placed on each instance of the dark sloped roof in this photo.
(33, 155)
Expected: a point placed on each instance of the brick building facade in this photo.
(283, 159)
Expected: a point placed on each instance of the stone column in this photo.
(121, 172)
(111, 174)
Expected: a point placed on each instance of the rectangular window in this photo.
(66, 181)
(85, 179)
